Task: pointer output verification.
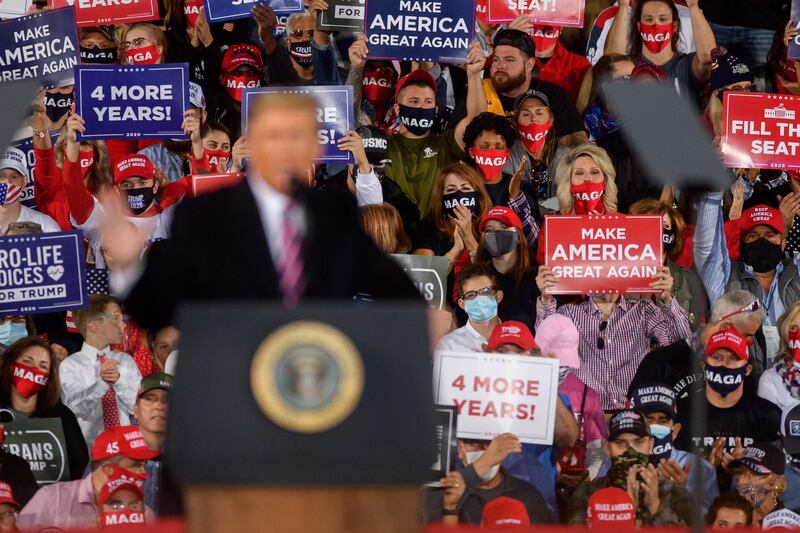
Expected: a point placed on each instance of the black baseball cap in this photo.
(790, 429)
(531, 94)
(763, 458)
(376, 145)
(653, 397)
(627, 421)
(516, 39)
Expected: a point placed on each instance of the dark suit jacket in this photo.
(218, 250)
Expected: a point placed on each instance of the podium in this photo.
(317, 418)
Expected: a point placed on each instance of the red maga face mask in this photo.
(234, 85)
(378, 88)
(191, 9)
(217, 157)
(794, 344)
(656, 37)
(588, 197)
(545, 36)
(86, 159)
(147, 55)
(121, 517)
(491, 161)
(534, 135)
(28, 380)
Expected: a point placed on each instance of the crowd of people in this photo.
(464, 161)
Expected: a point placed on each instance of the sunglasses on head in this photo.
(749, 308)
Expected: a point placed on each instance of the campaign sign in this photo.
(498, 393)
(219, 10)
(342, 15)
(42, 46)
(42, 273)
(542, 12)
(603, 254)
(444, 420)
(132, 101)
(26, 147)
(334, 114)
(58, 4)
(11, 9)
(793, 51)
(761, 130)
(40, 441)
(205, 183)
(97, 12)
(420, 30)
(429, 274)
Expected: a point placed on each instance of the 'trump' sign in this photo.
(424, 30)
(603, 254)
(761, 130)
(498, 393)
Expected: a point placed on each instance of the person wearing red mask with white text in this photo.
(30, 388)
(585, 182)
(144, 44)
(534, 120)
(120, 503)
(242, 68)
(780, 384)
(653, 38)
(118, 452)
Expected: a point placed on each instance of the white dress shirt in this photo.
(271, 208)
(464, 339)
(82, 389)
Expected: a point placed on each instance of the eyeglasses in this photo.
(298, 34)
(136, 43)
(486, 291)
(601, 339)
(112, 316)
(8, 514)
(749, 308)
(119, 506)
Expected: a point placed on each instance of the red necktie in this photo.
(290, 265)
(109, 400)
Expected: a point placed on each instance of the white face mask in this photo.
(474, 456)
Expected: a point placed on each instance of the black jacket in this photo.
(17, 473)
(218, 250)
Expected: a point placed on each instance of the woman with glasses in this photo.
(30, 389)
(616, 333)
(144, 44)
(504, 248)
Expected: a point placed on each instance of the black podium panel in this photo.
(219, 432)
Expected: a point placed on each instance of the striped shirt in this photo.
(631, 326)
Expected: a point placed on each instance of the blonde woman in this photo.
(780, 384)
(383, 224)
(144, 44)
(585, 182)
(729, 73)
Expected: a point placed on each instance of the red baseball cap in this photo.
(611, 507)
(504, 214)
(417, 75)
(761, 215)
(505, 512)
(7, 496)
(242, 54)
(135, 165)
(511, 332)
(730, 339)
(117, 484)
(126, 441)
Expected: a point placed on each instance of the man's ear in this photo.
(461, 303)
(676, 428)
(396, 108)
(749, 370)
(499, 296)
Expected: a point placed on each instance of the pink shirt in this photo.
(594, 423)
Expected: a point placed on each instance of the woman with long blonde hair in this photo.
(585, 182)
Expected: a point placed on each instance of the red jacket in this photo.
(48, 188)
(565, 69)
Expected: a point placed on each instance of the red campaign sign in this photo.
(101, 12)
(481, 14)
(56, 4)
(761, 130)
(543, 12)
(205, 183)
(603, 254)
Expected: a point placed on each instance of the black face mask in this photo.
(98, 56)
(467, 199)
(668, 239)
(56, 104)
(140, 199)
(761, 254)
(417, 120)
(500, 242)
(301, 53)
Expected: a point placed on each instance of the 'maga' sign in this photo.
(334, 114)
(498, 393)
(219, 10)
(603, 254)
(761, 130)
(423, 30)
(132, 101)
(42, 273)
(42, 46)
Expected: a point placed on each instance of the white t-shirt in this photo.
(27, 214)
(599, 32)
(156, 228)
